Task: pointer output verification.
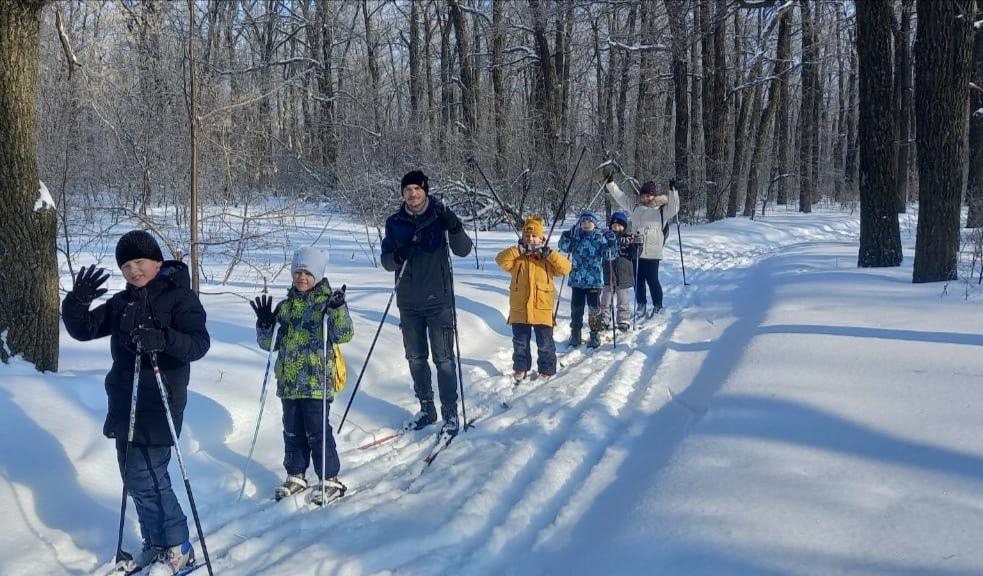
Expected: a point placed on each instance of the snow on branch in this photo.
(44, 198)
(638, 47)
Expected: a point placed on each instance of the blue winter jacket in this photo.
(589, 252)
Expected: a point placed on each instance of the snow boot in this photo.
(450, 426)
(544, 377)
(293, 484)
(640, 312)
(656, 310)
(518, 376)
(575, 338)
(333, 489)
(173, 560)
(425, 417)
(595, 339)
(137, 562)
(624, 327)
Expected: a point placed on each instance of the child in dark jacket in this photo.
(157, 321)
(624, 273)
(590, 249)
(308, 324)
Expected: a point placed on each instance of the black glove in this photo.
(87, 285)
(148, 339)
(405, 252)
(545, 252)
(608, 173)
(672, 185)
(337, 298)
(263, 307)
(448, 219)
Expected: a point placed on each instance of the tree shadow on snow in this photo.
(31, 457)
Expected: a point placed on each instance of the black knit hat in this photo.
(415, 177)
(137, 244)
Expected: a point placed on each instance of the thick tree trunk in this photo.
(880, 236)
(943, 59)
(806, 125)
(469, 82)
(974, 187)
(715, 104)
(28, 263)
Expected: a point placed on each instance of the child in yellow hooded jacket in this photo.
(532, 297)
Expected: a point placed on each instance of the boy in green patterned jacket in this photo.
(305, 362)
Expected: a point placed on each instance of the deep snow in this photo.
(791, 414)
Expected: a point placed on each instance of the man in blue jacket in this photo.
(416, 244)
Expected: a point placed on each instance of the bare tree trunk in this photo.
(850, 161)
(468, 79)
(644, 109)
(806, 125)
(715, 114)
(880, 236)
(902, 101)
(498, 85)
(697, 177)
(372, 62)
(415, 79)
(741, 133)
(325, 83)
(943, 57)
(625, 62)
(677, 24)
(193, 122)
(28, 263)
(776, 96)
(974, 186)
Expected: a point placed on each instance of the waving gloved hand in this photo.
(87, 284)
(337, 298)
(263, 307)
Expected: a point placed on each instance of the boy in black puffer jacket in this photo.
(156, 313)
(624, 273)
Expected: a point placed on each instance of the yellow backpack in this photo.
(340, 370)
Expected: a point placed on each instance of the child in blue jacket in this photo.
(590, 250)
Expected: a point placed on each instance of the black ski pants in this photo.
(303, 425)
(648, 275)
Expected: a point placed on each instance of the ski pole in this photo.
(180, 460)
(372, 347)
(559, 295)
(679, 236)
(613, 295)
(512, 216)
(122, 556)
(563, 201)
(638, 269)
(324, 403)
(457, 341)
(262, 405)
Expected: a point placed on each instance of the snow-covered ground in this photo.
(791, 414)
